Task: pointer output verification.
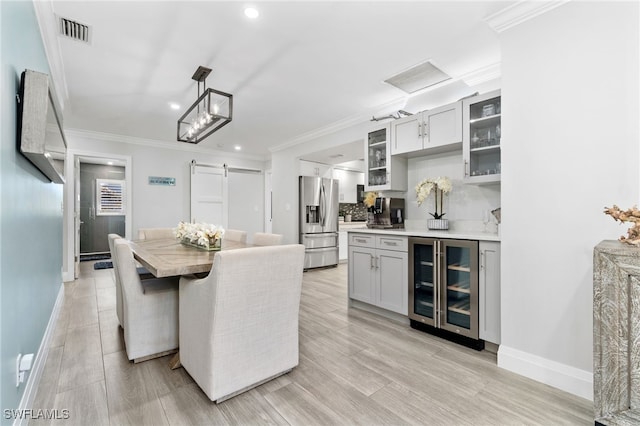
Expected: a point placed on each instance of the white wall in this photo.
(154, 205)
(569, 148)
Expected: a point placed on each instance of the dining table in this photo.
(169, 257)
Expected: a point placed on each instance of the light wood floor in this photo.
(355, 368)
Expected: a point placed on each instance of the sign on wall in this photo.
(164, 181)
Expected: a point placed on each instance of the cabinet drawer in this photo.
(392, 243)
(362, 240)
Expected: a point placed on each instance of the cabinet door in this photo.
(407, 134)
(376, 148)
(362, 274)
(391, 286)
(459, 287)
(481, 138)
(311, 168)
(489, 289)
(443, 126)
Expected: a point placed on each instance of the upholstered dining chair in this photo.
(264, 239)
(235, 235)
(150, 309)
(119, 308)
(239, 325)
(155, 233)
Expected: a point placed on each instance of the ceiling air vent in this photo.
(74, 30)
(418, 77)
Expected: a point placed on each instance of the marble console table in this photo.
(616, 334)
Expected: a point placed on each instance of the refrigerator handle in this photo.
(322, 205)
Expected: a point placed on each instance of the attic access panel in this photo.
(418, 77)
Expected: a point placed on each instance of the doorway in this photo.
(102, 206)
(83, 205)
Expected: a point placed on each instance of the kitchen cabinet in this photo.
(481, 138)
(378, 271)
(436, 130)
(382, 170)
(311, 168)
(489, 289)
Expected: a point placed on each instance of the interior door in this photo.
(209, 194)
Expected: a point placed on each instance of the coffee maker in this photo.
(387, 213)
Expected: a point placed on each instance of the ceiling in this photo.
(298, 68)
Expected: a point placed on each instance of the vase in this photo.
(438, 224)
(214, 245)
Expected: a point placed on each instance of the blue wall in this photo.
(30, 208)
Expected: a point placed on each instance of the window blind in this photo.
(110, 197)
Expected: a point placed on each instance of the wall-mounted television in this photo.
(40, 135)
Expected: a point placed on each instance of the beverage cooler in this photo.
(443, 289)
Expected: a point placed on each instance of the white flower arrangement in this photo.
(201, 234)
(440, 186)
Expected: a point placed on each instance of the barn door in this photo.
(209, 194)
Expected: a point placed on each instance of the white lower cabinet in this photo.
(378, 268)
(342, 245)
(489, 289)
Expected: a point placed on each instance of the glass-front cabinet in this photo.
(382, 171)
(481, 138)
(443, 284)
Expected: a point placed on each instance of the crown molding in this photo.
(482, 75)
(176, 146)
(520, 12)
(48, 31)
(341, 124)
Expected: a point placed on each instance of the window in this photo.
(110, 197)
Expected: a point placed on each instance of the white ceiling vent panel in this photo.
(75, 30)
(418, 77)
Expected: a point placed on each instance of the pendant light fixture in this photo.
(211, 111)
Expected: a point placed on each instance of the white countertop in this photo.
(453, 234)
(345, 226)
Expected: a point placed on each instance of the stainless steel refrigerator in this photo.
(319, 221)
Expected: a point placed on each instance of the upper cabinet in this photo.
(481, 138)
(311, 168)
(436, 130)
(382, 171)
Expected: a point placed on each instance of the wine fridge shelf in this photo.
(463, 307)
(425, 303)
(462, 268)
(424, 284)
(425, 263)
(460, 288)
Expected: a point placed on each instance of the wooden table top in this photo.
(167, 257)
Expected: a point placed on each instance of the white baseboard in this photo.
(569, 379)
(33, 381)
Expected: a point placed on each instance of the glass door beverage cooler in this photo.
(443, 288)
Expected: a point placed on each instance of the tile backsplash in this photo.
(357, 211)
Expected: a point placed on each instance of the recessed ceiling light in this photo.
(110, 163)
(174, 105)
(237, 147)
(251, 12)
